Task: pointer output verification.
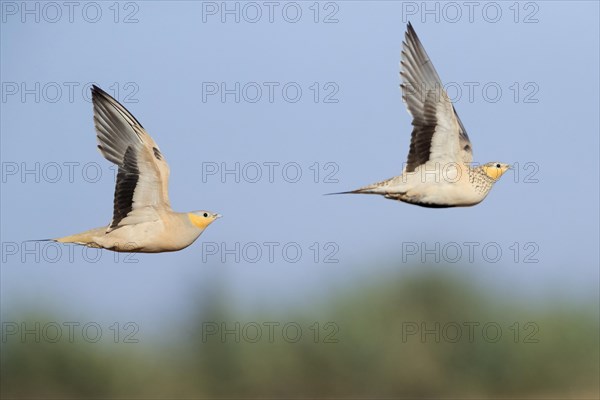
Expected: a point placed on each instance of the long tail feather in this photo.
(348, 192)
(83, 238)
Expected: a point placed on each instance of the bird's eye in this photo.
(497, 165)
(205, 215)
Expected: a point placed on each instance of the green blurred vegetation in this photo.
(559, 359)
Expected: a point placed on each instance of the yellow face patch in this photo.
(200, 222)
(494, 172)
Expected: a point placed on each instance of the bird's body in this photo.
(143, 220)
(435, 185)
(171, 231)
(439, 171)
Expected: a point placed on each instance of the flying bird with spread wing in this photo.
(143, 220)
(438, 172)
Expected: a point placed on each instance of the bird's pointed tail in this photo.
(357, 191)
(376, 188)
(86, 238)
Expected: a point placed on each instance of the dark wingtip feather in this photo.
(98, 94)
(410, 30)
(96, 90)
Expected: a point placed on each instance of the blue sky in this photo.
(534, 102)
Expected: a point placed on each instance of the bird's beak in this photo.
(217, 216)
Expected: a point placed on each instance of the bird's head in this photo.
(495, 169)
(202, 219)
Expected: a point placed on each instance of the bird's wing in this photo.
(438, 134)
(143, 177)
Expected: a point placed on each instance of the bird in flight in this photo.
(438, 172)
(143, 220)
